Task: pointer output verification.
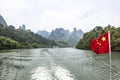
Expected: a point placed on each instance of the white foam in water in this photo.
(62, 74)
(55, 73)
(41, 73)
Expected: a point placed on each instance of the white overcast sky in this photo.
(51, 14)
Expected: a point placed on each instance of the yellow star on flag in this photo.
(103, 39)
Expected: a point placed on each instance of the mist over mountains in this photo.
(44, 33)
(60, 34)
(14, 38)
(62, 37)
(2, 21)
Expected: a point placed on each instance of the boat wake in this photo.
(53, 73)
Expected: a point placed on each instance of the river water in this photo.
(57, 64)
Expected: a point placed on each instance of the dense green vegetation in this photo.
(7, 43)
(63, 44)
(96, 32)
(18, 38)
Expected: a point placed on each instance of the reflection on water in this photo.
(57, 64)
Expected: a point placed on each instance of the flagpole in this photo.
(110, 61)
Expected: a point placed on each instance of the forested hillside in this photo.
(96, 32)
(22, 38)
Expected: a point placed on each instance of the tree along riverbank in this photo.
(96, 32)
(11, 38)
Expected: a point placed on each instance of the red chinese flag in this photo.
(100, 45)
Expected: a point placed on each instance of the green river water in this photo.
(57, 64)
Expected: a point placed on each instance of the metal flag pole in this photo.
(110, 55)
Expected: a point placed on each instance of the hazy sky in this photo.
(49, 14)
